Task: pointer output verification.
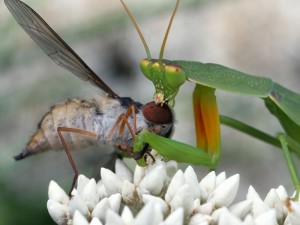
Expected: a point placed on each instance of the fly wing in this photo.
(53, 45)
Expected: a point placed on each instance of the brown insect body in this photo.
(76, 124)
(96, 115)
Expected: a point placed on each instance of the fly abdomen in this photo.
(74, 113)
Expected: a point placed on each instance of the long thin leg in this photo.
(131, 110)
(78, 131)
(284, 144)
(124, 119)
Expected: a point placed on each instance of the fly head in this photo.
(159, 118)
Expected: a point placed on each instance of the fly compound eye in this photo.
(166, 128)
(175, 76)
(160, 114)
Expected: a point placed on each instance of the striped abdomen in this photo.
(74, 113)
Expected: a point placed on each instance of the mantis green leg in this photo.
(173, 150)
(247, 129)
(283, 141)
(283, 138)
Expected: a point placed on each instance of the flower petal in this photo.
(252, 194)
(220, 178)
(259, 207)
(79, 219)
(111, 182)
(77, 204)
(57, 211)
(192, 180)
(112, 218)
(175, 218)
(150, 198)
(227, 218)
(207, 185)
(273, 201)
(184, 199)
(95, 221)
(127, 216)
(200, 219)
(153, 182)
(268, 217)
(123, 171)
(89, 194)
(81, 183)
(225, 193)
(101, 209)
(115, 202)
(129, 194)
(56, 193)
(241, 209)
(149, 215)
(177, 181)
(139, 174)
(282, 193)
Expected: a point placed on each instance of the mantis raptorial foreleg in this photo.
(173, 150)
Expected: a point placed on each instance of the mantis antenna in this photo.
(138, 30)
(167, 33)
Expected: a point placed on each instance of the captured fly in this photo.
(77, 123)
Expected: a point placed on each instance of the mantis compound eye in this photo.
(144, 64)
(175, 76)
(160, 114)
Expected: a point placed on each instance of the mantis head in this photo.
(166, 77)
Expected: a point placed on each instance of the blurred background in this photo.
(258, 37)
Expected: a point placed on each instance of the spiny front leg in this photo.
(63, 141)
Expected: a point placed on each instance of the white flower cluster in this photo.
(163, 195)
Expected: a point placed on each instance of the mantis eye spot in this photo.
(160, 114)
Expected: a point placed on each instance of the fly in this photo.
(78, 123)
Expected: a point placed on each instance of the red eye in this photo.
(157, 113)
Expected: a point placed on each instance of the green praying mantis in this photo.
(167, 77)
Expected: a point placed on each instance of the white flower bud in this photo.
(207, 185)
(57, 211)
(268, 217)
(111, 182)
(79, 219)
(89, 194)
(225, 193)
(56, 193)
(123, 171)
(176, 183)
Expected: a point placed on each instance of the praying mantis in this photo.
(168, 76)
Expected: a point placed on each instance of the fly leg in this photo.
(123, 119)
(72, 162)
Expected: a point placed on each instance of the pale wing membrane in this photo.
(53, 45)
